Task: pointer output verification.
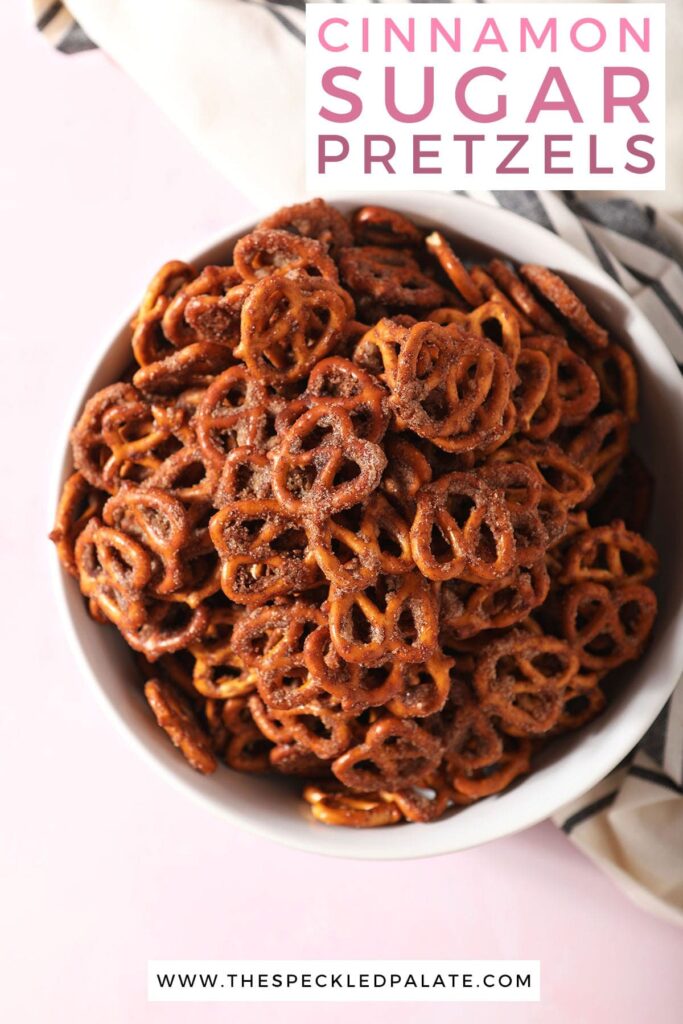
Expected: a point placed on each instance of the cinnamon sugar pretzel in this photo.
(367, 513)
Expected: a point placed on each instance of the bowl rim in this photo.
(322, 839)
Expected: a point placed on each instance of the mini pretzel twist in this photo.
(521, 679)
(560, 295)
(204, 299)
(354, 810)
(352, 547)
(234, 411)
(471, 608)
(218, 672)
(518, 293)
(314, 219)
(375, 225)
(438, 246)
(450, 387)
(395, 753)
(273, 639)
(395, 619)
(269, 252)
(78, 504)
(321, 466)
(148, 342)
(192, 366)
(388, 276)
(491, 320)
(462, 529)
(175, 717)
(160, 523)
(609, 554)
(289, 324)
(607, 626)
(263, 550)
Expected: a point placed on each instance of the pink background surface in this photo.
(102, 864)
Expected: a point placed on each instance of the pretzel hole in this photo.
(439, 546)
(603, 645)
(375, 678)
(586, 613)
(361, 629)
(347, 471)
(315, 437)
(548, 664)
(460, 507)
(486, 550)
(315, 726)
(406, 625)
(388, 544)
(631, 617)
(292, 540)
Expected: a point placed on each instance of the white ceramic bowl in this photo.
(272, 807)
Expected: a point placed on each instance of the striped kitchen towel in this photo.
(631, 825)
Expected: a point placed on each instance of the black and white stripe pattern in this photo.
(52, 18)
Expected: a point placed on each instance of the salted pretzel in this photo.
(321, 466)
(450, 387)
(437, 245)
(607, 626)
(148, 342)
(462, 529)
(289, 324)
(382, 536)
(394, 619)
(389, 276)
(175, 717)
(560, 295)
(314, 219)
(395, 753)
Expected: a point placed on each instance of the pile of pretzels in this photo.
(367, 515)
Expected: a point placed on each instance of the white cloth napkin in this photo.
(229, 73)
